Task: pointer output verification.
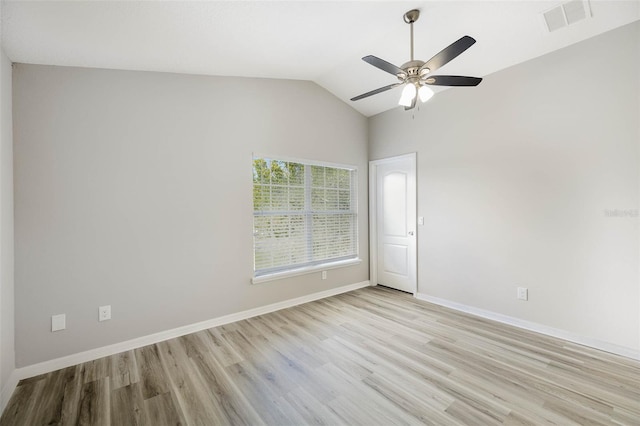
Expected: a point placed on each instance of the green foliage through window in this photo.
(303, 214)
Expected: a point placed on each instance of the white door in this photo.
(394, 204)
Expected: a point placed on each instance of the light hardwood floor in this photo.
(369, 357)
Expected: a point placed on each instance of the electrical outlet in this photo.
(324, 275)
(104, 313)
(58, 322)
(523, 293)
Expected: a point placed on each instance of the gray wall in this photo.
(134, 189)
(7, 356)
(514, 178)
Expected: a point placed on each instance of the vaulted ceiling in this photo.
(321, 41)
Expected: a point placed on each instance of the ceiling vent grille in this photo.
(566, 14)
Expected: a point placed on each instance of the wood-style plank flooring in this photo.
(369, 357)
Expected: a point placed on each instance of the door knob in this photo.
(410, 232)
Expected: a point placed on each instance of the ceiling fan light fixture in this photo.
(425, 93)
(408, 95)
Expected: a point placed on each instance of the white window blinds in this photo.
(303, 215)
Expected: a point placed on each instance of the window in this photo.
(304, 215)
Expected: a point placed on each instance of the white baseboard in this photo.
(90, 355)
(532, 326)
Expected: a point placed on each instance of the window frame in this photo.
(322, 265)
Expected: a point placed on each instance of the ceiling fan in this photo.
(416, 76)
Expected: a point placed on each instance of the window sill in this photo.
(305, 270)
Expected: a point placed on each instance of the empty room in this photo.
(319, 212)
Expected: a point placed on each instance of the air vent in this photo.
(555, 19)
(566, 14)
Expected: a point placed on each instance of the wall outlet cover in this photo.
(104, 313)
(58, 322)
(523, 293)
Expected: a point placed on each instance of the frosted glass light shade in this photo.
(408, 94)
(425, 93)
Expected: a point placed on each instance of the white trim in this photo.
(532, 326)
(257, 155)
(7, 390)
(305, 270)
(92, 354)
(373, 219)
(638, 259)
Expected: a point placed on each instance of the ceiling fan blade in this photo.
(383, 65)
(452, 80)
(413, 103)
(448, 53)
(376, 91)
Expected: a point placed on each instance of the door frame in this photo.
(373, 219)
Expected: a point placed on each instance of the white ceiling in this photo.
(321, 41)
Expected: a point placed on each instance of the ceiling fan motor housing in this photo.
(413, 72)
(412, 68)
